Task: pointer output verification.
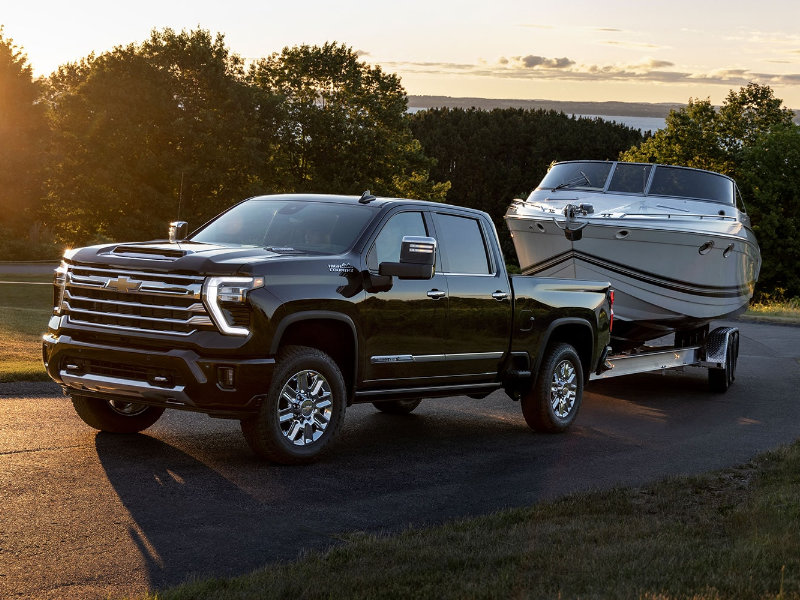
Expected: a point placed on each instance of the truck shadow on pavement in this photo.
(188, 520)
(383, 474)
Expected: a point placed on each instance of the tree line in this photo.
(115, 145)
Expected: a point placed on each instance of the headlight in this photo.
(59, 285)
(221, 294)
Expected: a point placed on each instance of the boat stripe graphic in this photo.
(644, 276)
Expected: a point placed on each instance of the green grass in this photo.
(732, 534)
(25, 308)
(788, 310)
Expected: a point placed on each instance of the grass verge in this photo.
(25, 305)
(781, 310)
(732, 534)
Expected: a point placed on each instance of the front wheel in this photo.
(302, 411)
(552, 403)
(116, 416)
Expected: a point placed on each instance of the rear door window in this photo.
(463, 245)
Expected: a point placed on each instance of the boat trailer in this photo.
(719, 354)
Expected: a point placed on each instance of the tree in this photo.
(149, 132)
(343, 125)
(703, 137)
(771, 181)
(690, 138)
(23, 136)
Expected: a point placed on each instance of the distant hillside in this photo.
(612, 109)
(632, 109)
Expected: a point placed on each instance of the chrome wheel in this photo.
(563, 389)
(552, 404)
(304, 408)
(127, 409)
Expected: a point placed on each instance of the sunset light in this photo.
(578, 50)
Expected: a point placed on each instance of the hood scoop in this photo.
(152, 251)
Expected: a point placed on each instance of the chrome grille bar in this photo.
(135, 301)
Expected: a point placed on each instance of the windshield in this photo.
(289, 226)
(577, 175)
(691, 183)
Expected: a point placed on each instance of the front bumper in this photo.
(176, 378)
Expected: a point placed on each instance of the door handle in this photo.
(436, 294)
(500, 296)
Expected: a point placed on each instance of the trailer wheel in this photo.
(552, 404)
(719, 380)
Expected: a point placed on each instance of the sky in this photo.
(611, 50)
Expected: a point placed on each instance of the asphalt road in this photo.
(86, 514)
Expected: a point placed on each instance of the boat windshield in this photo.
(577, 176)
(690, 183)
(634, 178)
(289, 226)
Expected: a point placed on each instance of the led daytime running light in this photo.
(230, 290)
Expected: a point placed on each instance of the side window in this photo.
(387, 244)
(463, 245)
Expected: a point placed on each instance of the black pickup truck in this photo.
(286, 309)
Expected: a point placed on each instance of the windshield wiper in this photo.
(573, 182)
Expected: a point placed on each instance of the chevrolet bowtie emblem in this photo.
(123, 284)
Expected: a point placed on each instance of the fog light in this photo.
(225, 377)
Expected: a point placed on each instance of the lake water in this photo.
(641, 123)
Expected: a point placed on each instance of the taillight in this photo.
(610, 309)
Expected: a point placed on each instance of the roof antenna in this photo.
(180, 198)
(366, 197)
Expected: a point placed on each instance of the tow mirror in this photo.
(178, 230)
(417, 259)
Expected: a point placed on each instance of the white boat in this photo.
(675, 243)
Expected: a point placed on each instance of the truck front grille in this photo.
(135, 301)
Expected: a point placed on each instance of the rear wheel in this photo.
(116, 416)
(552, 404)
(719, 380)
(397, 407)
(302, 411)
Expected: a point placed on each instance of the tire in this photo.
(552, 404)
(303, 410)
(116, 416)
(719, 380)
(397, 407)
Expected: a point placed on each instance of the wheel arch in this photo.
(333, 333)
(574, 331)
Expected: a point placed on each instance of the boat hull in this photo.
(667, 275)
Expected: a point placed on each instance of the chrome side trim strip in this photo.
(426, 358)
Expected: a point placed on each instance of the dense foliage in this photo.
(23, 135)
(752, 138)
(491, 157)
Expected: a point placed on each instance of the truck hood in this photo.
(187, 257)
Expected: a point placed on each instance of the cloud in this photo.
(648, 70)
(532, 62)
(611, 29)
